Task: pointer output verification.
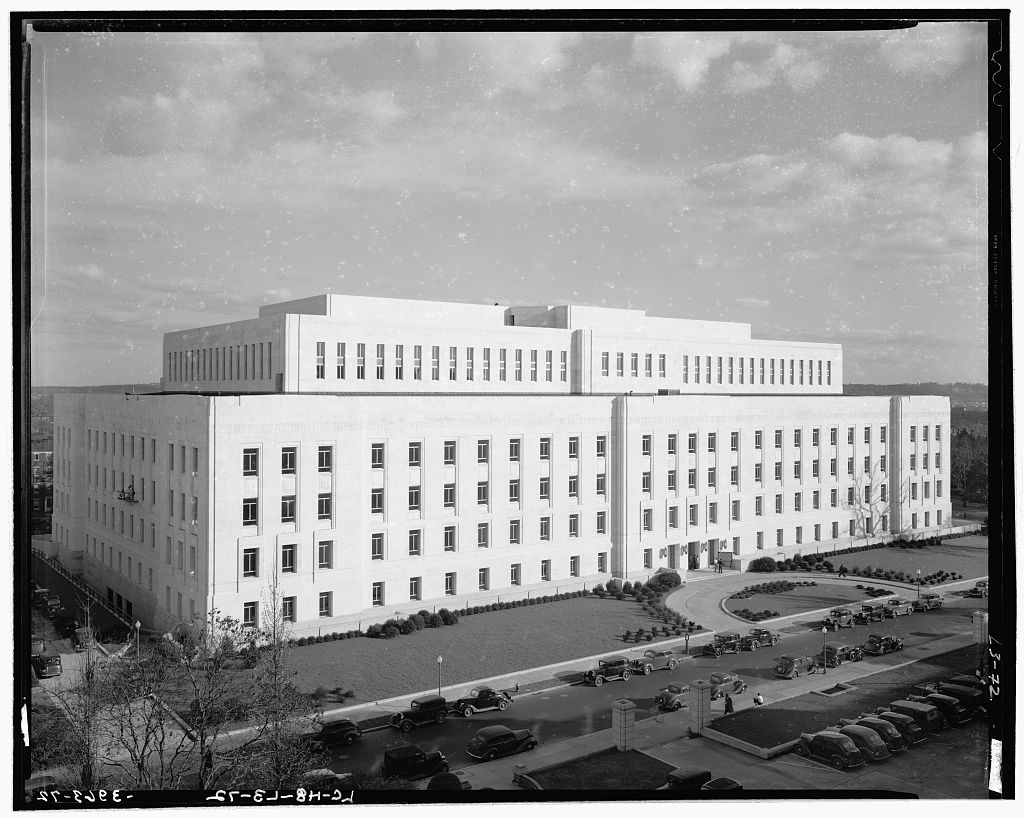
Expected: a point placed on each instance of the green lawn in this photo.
(610, 770)
(479, 646)
(823, 595)
(967, 556)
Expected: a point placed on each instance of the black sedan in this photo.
(498, 740)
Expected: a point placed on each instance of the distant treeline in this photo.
(958, 393)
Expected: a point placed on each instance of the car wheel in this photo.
(406, 726)
(503, 704)
(774, 642)
(647, 670)
(350, 738)
(443, 768)
(441, 717)
(598, 681)
(491, 756)
(625, 675)
(796, 674)
(467, 711)
(800, 749)
(838, 762)
(837, 663)
(672, 664)
(531, 746)
(753, 646)
(677, 706)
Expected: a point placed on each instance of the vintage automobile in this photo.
(968, 681)
(46, 665)
(835, 654)
(614, 667)
(421, 711)
(673, 697)
(951, 709)
(909, 729)
(686, 778)
(498, 740)
(838, 618)
(65, 622)
(928, 602)
(831, 747)
(973, 700)
(868, 742)
(654, 660)
(898, 607)
(324, 778)
(39, 595)
(764, 636)
(409, 761)
(886, 731)
(728, 642)
(789, 666)
(926, 715)
(722, 683)
(52, 604)
(879, 644)
(870, 612)
(335, 733)
(481, 698)
(979, 591)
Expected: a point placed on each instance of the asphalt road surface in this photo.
(574, 711)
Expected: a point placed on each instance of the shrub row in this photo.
(779, 587)
(817, 562)
(902, 576)
(755, 616)
(521, 603)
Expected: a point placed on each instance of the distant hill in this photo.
(973, 395)
(42, 407)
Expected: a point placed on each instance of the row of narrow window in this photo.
(238, 362)
(469, 363)
(729, 370)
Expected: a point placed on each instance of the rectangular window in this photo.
(867, 465)
(288, 508)
(417, 363)
(759, 506)
(619, 364)
(574, 448)
(672, 444)
(849, 435)
(602, 443)
(778, 472)
(514, 532)
(483, 579)
(288, 609)
(661, 366)
(288, 460)
(712, 513)
(415, 543)
(502, 365)
(376, 546)
(798, 501)
(449, 584)
(645, 445)
(361, 361)
(604, 364)
(545, 448)
(325, 458)
(513, 491)
(645, 482)
(686, 369)
(778, 503)
(415, 454)
(648, 558)
(719, 369)
(449, 452)
(483, 535)
(481, 493)
(634, 364)
(414, 498)
(376, 501)
(778, 438)
(435, 363)
(711, 478)
(814, 468)
(325, 603)
(449, 495)
(693, 515)
(673, 516)
(545, 528)
(250, 511)
(453, 363)
(449, 538)
(340, 361)
(734, 475)
(482, 451)
(730, 368)
(487, 364)
(377, 594)
(414, 588)
(545, 488)
(533, 365)
(320, 359)
(250, 562)
(602, 522)
(469, 363)
(545, 570)
(696, 369)
(671, 480)
(399, 361)
(323, 506)
(574, 525)
(513, 450)
(325, 554)
(849, 466)
(288, 558)
(250, 462)
(735, 510)
(519, 365)
(547, 365)
(712, 442)
(648, 519)
(249, 611)
(574, 486)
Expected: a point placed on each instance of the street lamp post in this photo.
(439, 660)
(824, 654)
(918, 583)
(138, 627)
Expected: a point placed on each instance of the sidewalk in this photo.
(665, 737)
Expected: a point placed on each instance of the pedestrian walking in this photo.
(758, 700)
(718, 567)
(842, 570)
(728, 704)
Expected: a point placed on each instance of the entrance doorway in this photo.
(673, 556)
(693, 555)
(712, 553)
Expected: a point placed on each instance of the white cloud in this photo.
(517, 61)
(791, 65)
(685, 55)
(755, 303)
(931, 48)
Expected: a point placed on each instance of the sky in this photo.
(820, 186)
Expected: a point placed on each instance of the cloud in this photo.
(754, 303)
(515, 61)
(931, 48)
(793, 66)
(686, 56)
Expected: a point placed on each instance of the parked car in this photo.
(870, 612)
(926, 715)
(764, 636)
(898, 607)
(497, 740)
(615, 667)
(421, 711)
(39, 596)
(831, 747)
(789, 666)
(654, 660)
(928, 602)
(686, 778)
(334, 733)
(838, 618)
(722, 683)
(722, 783)
(481, 698)
(968, 681)
(52, 604)
(880, 644)
(868, 742)
(971, 698)
(909, 729)
(836, 653)
(46, 665)
(950, 708)
(409, 761)
(728, 642)
(673, 697)
(979, 591)
(65, 622)
(885, 730)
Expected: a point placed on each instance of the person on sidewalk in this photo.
(728, 704)
(842, 571)
(758, 700)
(718, 567)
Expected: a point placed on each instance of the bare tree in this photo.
(877, 505)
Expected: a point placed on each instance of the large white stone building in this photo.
(370, 456)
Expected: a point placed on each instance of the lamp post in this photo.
(138, 627)
(918, 583)
(439, 660)
(824, 654)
